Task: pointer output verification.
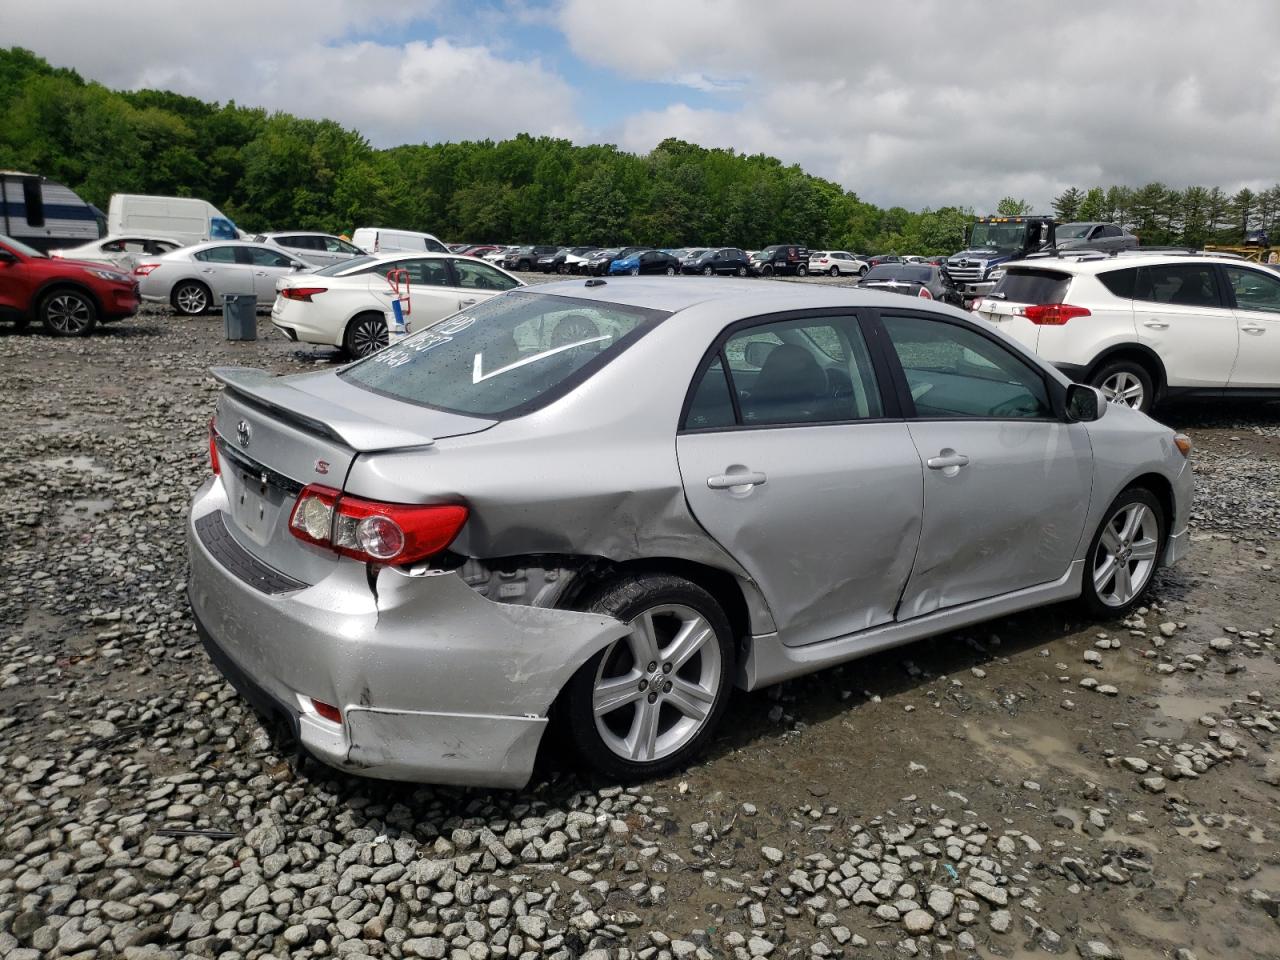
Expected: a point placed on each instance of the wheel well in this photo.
(1162, 490)
(1144, 356)
(56, 285)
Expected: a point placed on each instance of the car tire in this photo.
(766, 270)
(708, 272)
(802, 270)
(834, 271)
(366, 333)
(1125, 382)
(634, 271)
(683, 701)
(671, 271)
(1124, 554)
(66, 312)
(191, 298)
(862, 271)
(562, 269)
(523, 265)
(741, 271)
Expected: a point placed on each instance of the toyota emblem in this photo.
(242, 433)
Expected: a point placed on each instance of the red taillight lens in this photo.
(1053, 314)
(214, 464)
(142, 269)
(301, 293)
(976, 305)
(326, 710)
(924, 294)
(390, 533)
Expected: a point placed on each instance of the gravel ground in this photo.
(1036, 785)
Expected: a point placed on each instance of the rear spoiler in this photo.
(307, 411)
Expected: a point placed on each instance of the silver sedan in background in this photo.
(194, 279)
(626, 497)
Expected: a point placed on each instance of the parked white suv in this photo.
(1146, 326)
(836, 263)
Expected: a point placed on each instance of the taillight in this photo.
(976, 305)
(1053, 314)
(301, 293)
(326, 710)
(375, 532)
(142, 269)
(214, 464)
(924, 294)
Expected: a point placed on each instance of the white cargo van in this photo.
(378, 240)
(185, 219)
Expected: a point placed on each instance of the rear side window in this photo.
(1020, 285)
(505, 356)
(217, 255)
(711, 405)
(1119, 283)
(1183, 284)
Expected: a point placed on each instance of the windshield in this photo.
(1073, 231)
(22, 248)
(911, 273)
(335, 269)
(505, 356)
(1004, 237)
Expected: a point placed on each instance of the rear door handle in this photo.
(948, 459)
(1254, 328)
(1155, 324)
(729, 481)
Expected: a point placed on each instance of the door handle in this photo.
(207, 270)
(730, 481)
(1155, 324)
(467, 303)
(948, 459)
(1254, 328)
(260, 273)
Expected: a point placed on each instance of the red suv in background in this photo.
(69, 297)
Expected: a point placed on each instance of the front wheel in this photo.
(766, 270)
(634, 271)
(365, 334)
(707, 271)
(671, 271)
(648, 703)
(1124, 554)
(1125, 383)
(68, 313)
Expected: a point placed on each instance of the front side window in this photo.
(481, 276)
(216, 255)
(1183, 284)
(806, 370)
(1254, 290)
(953, 371)
(506, 355)
(338, 245)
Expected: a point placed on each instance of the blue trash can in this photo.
(240, 316)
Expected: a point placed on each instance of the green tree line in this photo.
(274, 170)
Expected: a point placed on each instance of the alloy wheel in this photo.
(368, 336)
(1123, 388)
(191, 299)
(1126, 555)
(68, 313)
(656, 687)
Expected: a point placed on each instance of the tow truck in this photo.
(993, 242)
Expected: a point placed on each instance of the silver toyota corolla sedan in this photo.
(624, 498)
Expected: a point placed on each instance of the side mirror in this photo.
(757, 352)
(1085, 404)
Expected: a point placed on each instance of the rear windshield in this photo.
(343, 266)
(899, 271)
(505, 356)
(1020, 285)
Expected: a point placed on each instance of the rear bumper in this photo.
(435, 683)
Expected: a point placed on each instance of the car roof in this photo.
(752, 297)
(1098, 262)
(296, 233)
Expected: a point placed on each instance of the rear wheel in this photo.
(1124, 554)
(1125, 382)
(191, 298)
(366, 334)
(834, 271)
(68, 313)
(802, 271)
(648, 703)
(741, 271)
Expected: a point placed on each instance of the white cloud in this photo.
(307, 58)
(959, 101)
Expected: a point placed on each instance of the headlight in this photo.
(995, 275)
(109, 275)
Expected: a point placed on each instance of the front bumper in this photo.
(435, 683)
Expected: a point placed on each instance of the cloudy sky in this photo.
(922, 104)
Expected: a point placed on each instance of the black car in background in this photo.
(723, 261)
(525, 258)
(781, 258)
(555, 262)
(914, 280)
(598, 265)
(645, 261)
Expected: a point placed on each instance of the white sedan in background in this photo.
(346, 305)
(119, 250)
(195, 279)
(837, 263)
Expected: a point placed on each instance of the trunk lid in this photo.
(278, 434)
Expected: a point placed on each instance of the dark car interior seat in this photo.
(791, 386)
